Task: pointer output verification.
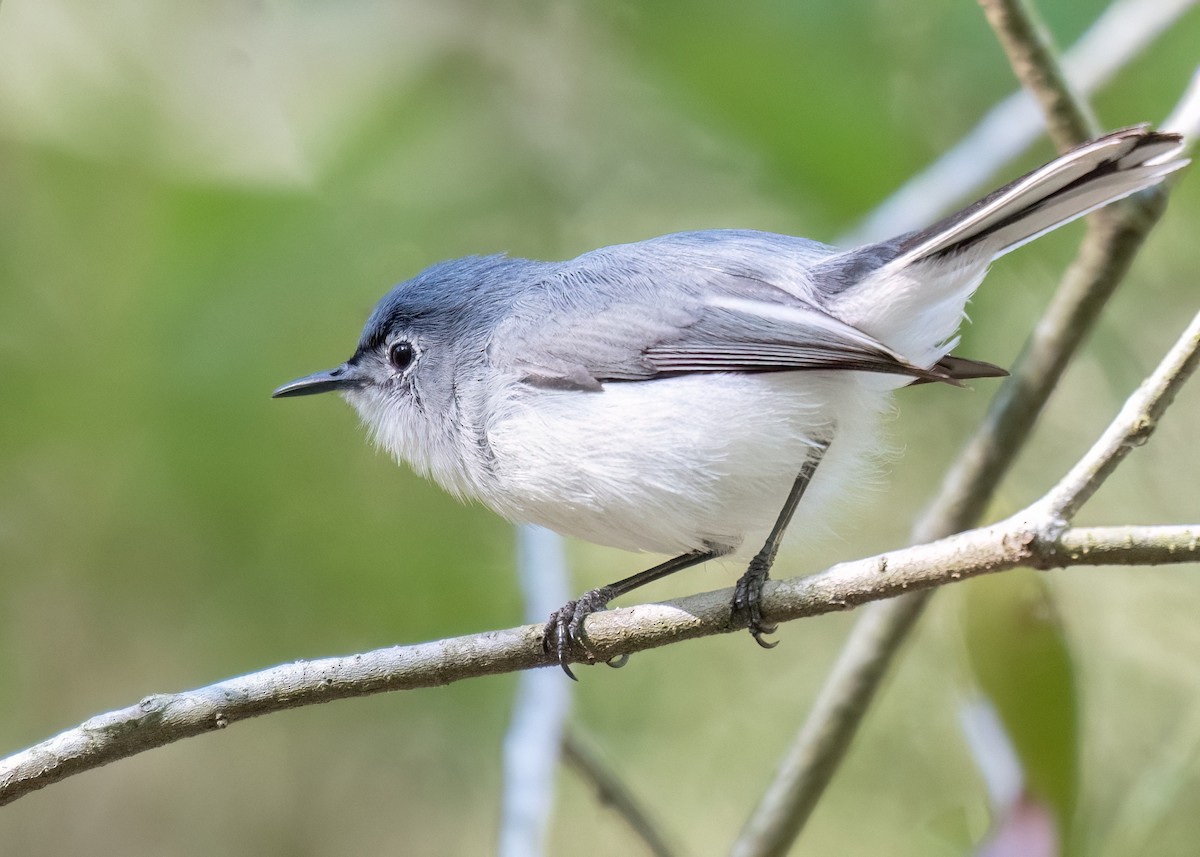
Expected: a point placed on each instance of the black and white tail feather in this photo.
(1084, 179)
(912, 299)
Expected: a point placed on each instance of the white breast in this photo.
(679, 464)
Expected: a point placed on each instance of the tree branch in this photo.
(165, 718)
(1132, 428)
(1123, 32)
(1114, 236)
(1153, 545)
(1034, 60)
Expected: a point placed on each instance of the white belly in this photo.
(681, 464)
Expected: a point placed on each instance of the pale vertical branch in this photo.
(537, 738)
(540, 709)
(994, 754)
(1125, 30)
(1185, 118)
(1114, 236)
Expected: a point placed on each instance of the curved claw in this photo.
(757, 634)
(564, 629)
(747, 602)
(556, 636)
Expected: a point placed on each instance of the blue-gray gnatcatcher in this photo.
(677, 395)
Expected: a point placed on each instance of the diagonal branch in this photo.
(1124, 31)
(1034, 59)
(1114, 236)
(612, 792)
(1132, 428)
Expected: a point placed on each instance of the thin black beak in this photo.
(319, 382)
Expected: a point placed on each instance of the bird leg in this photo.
(747, 593)
(564, 629)
(565, 626)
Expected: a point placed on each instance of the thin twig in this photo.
(876, 637)
(1185, 118)
(1121, 34)
(818, 748)
(612, 792)
(1034, 60)
(1132, 428)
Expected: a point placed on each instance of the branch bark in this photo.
(1035, 537)
(1114, 236)
(165, 718)
(1034, 60)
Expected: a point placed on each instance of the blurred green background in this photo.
(199, 201)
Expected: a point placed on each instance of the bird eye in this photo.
(401, 354)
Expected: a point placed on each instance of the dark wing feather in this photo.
(963, 369)
(752, 335)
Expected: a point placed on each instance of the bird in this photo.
(692, 394)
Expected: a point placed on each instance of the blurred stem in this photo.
(611, 791)
(1114, 236)
(1034, 60)
(1121, 34)
(823, 740)
(537, 737)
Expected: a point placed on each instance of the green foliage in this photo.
(1021, 659)
(199, 201)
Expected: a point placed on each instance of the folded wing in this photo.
(692, 321)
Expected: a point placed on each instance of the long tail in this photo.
(1084, 179)
(910, 292)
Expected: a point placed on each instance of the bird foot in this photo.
(563, 634)
(747, 603)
